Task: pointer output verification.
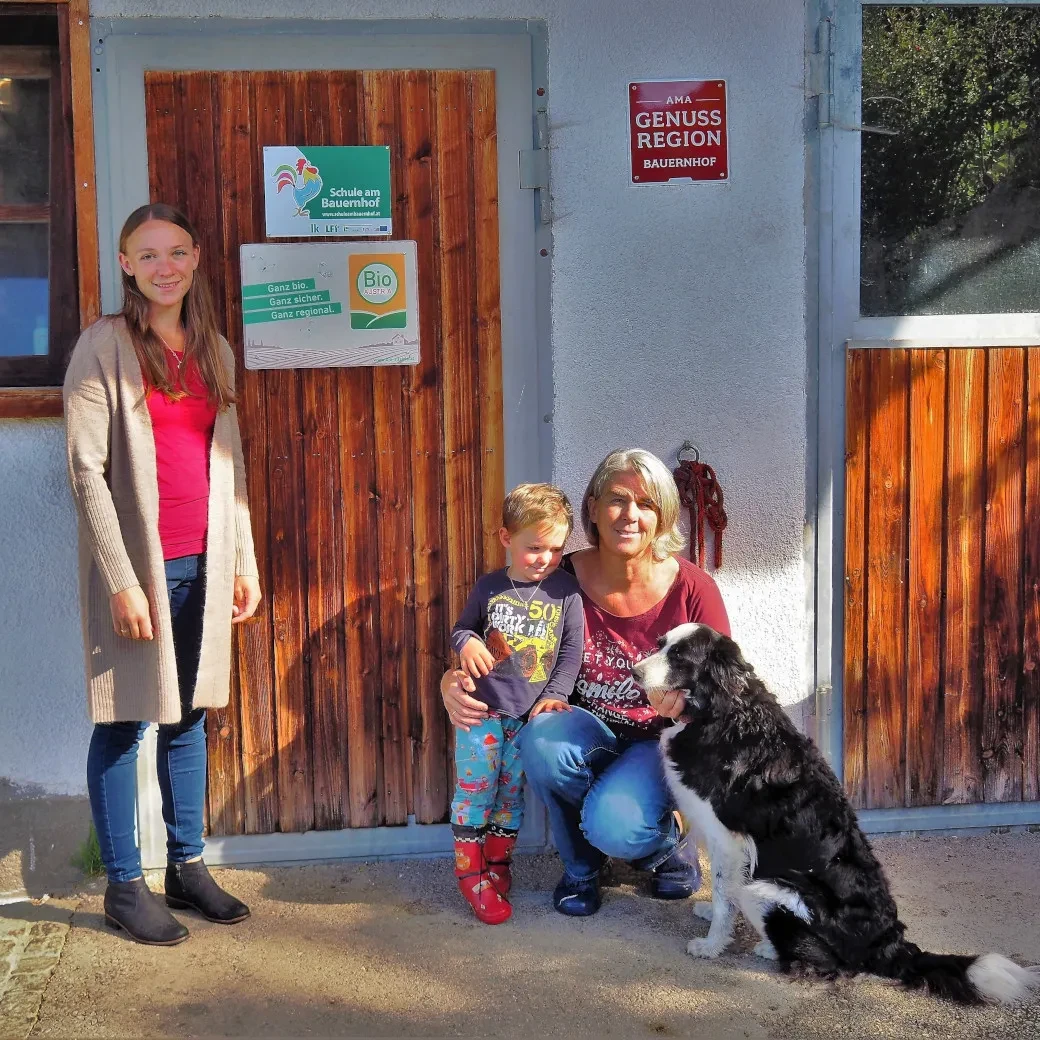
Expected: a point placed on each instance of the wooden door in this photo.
(375, 492)
(942, 576)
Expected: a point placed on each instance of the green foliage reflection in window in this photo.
(951, 202)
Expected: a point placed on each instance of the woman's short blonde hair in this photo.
(660, 486)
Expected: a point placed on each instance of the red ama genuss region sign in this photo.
(677, 130)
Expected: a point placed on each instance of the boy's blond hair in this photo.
(536, 505)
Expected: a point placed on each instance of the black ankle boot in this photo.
(190, 886)
(132, 906)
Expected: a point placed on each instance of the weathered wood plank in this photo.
(854, 690)
(276, 100)
(325, 597)
(488, 313)
(886, 577)
(453, 178)
(81, 82)
(201, 169)
(30, 403)
(322, 503)
(379, 126)
(63, 265)
(962, 693)
(925, 614)
(198, 125)
(428, 722)
(253, 639)
(224, 786)
(360, 520)
(1030, 680)
(1002, 577)
(361, 598)
(162, 101)
(453, 181)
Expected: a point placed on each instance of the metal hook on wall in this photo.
(688, 446)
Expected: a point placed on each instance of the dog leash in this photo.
(699, 491)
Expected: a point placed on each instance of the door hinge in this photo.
(534, 169)
(819, 86)
(534, 162)
(822, 702)
(819, 72)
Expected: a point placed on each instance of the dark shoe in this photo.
(675, 878)
(189, 886)
(132, 906)
(577, 898)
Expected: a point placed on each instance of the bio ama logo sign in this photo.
(378, 291)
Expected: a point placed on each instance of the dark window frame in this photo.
(30, 387)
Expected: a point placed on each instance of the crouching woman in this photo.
(166, 562)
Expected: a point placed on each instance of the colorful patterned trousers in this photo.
(489, 790)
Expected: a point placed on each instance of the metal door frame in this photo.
(835, 61)
(516, 50)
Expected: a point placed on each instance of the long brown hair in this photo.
(201, 336)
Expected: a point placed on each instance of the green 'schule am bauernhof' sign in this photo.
(327, 191)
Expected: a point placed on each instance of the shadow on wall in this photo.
(40, 835)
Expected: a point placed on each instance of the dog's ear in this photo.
(697, 654)
(701, 694)
(727, 666)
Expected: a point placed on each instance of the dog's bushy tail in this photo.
(988, 979)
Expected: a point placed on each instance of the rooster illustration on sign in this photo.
(304, 180)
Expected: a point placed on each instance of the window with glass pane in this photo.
(950, 207)
(39, 313)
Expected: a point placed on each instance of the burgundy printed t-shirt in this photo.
(613, 644)
(183, 430)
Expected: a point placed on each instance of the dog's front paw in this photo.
(766, 950)
(703, 910)
(702, 948)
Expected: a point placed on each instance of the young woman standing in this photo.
(166, 560)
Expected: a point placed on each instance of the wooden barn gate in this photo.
(942, 576)
(375, 492)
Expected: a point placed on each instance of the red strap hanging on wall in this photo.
(699, 491)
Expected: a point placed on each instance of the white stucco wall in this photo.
(43, 720)
(678, 312)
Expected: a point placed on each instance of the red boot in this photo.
(498, 854)
(475, 882)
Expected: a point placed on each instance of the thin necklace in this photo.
(526, 602)
(179, 357)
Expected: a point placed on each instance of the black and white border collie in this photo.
(785, 847)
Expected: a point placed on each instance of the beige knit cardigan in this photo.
(111, 458)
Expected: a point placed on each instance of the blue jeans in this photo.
(605, 796)
(181, 749)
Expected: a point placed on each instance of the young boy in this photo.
(520, 637)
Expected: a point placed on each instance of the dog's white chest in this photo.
(722, 843)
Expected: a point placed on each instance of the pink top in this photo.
(183, 430)
(613, 644)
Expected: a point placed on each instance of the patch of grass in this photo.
(88, 856)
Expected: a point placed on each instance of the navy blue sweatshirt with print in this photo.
(535, 633)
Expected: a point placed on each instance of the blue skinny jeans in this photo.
(605, 796)
(181, 749)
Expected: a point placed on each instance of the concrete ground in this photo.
(388, 949)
